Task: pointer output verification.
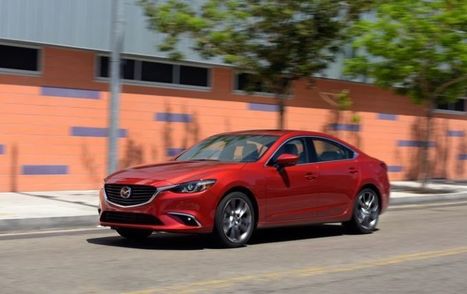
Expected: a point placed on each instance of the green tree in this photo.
(417, 48)
(277, 42)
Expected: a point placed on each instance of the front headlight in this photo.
(194, 186)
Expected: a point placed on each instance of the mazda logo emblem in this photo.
(125, 192)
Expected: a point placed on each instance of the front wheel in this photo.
(365, 212)
(235, 220)
(134, 234)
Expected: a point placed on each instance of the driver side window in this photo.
(295, 147)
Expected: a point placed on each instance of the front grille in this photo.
(139, 194)
(129, 218)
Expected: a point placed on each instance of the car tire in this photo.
(365, 214)
(235, 220)
(134, 234)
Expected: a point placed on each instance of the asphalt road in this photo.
(417, 250)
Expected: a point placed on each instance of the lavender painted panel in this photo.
(263, 107)
(415, 143)
(70, 93)
(95, 132)
(394, 168)
(44, 169)
(462, 157)
(173, 117)
(454, 133)
(174, 151)
(345, 127)
(387, 116)
(2, 149)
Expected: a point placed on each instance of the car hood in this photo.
(172, 172)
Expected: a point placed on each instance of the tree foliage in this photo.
(277, 41)
(416, 47)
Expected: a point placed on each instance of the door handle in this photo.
(310, 176)
(353, 170)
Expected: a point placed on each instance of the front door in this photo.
(290, 189)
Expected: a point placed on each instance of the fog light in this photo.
(186, 219)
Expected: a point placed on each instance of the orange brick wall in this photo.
(40, 129)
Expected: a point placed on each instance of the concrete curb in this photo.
(32, 224)
(428, 198)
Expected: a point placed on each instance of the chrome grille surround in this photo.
(140, 195)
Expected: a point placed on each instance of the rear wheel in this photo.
(134, 234)
(235, 220)
(365, 213)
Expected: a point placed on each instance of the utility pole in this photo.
(115, 85)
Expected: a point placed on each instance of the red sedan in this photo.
(232, 183)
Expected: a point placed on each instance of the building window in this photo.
(458, 106)
(19, 58)
(193, 76)
(246, 82)
(157, 72)
(127, 71)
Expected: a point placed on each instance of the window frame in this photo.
(4, 70)
(138, 73)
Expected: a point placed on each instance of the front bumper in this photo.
(168, 212)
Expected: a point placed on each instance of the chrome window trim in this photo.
(185, 214)
(355, 153)
(159, 190)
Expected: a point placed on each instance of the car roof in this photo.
(276, 132)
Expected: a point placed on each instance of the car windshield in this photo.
(230, 148)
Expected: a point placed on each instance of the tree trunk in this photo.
(281, 108)
(425, 160)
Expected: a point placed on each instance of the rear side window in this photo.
(326, 150)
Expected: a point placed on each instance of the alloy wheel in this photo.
(237, 220)
(367, 209)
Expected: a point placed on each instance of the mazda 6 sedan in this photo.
(234, 183)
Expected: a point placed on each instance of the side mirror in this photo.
(287, 159)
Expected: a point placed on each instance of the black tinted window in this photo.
(157, 72)
(193, 76)
(21, 58)
(127, 70)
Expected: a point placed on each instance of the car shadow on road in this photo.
(168, 241)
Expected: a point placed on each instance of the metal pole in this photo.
(115, 86)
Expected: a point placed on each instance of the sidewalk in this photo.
(30, 211)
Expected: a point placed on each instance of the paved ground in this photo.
(416, 250)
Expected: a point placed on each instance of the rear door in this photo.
(339, 174)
